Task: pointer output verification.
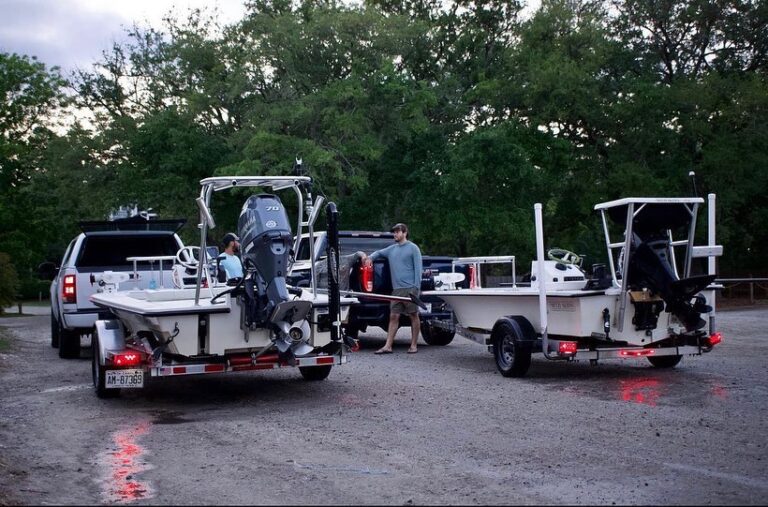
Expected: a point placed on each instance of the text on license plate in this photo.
(125, 379)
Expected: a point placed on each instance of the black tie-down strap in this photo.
(334, 295)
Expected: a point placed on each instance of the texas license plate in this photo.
(124, 379)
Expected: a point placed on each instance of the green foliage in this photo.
(9, 282)
(455, 117)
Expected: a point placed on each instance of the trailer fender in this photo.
(521, 325)
(111, 336)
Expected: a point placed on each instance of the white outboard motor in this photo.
(265, 239)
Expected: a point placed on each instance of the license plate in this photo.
(428, 308)
(123, 379)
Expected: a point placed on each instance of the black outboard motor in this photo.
(649, 266)
(265, 249)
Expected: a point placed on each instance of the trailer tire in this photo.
(511, 347)
(314, 373)
(54, 331)
(97, 372)
(69, 343)
(665, 361)
(436, 336)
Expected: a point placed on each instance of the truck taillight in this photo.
(69, 289)
(366, 278)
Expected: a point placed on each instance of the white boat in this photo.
(659, 309)
(206, 324)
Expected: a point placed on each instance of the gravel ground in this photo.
(438, 427)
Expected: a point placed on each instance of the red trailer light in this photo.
(69, 289)
(714, 339)
(126, 358)
(566, 348)
(637, 352)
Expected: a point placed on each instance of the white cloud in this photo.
(74, 33)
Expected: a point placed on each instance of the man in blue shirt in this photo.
(229, 261)
(405, 269)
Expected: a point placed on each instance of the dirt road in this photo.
(437, 427)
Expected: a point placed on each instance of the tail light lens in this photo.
(714, 339)
(366, 278)
(471, 271)
(567, 348)
(69, 289)
(126, 358)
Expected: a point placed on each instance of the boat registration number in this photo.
(124, 379)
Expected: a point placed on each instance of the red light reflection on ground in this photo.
(123, 463)
(643, 390)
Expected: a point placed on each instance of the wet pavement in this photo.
(438, 427)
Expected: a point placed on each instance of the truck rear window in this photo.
(111, 251)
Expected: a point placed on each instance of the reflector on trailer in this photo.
(637, 352)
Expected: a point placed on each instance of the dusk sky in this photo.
(74, 33)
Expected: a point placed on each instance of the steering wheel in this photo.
(188, 257)
(563, 256)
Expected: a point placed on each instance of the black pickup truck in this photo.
(372, 312)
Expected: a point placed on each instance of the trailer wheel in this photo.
(54, 331)
(97, 372)
(665, 361)
(436, 336)
(69, 343)
(511, 350)
(313, 373)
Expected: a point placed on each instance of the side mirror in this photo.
(47, 271)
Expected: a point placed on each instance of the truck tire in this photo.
(511, 348)
(54, 331)
(434, 335)
(313, 373)
(69, 343)
(352, 331)
(97, 372)
(665, 361)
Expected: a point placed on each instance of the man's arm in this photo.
(417, 265)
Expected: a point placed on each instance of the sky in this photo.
(73, 33)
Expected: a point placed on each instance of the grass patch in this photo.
(5, 341)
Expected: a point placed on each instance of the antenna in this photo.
(693, 182)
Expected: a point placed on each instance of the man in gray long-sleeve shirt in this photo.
(405, 268)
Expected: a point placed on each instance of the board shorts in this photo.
(404, 307)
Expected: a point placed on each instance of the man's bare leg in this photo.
(415, 330)
(394, 323)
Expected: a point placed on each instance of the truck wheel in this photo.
(54, 331)
(97, 372)
(352, 332)
(665, 361)
(313, 373)
(434, 335)
(510, 350)
(69, 343)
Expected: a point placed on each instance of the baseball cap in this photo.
(399, 227)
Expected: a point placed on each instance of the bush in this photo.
(31, 288)
(9, 281)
